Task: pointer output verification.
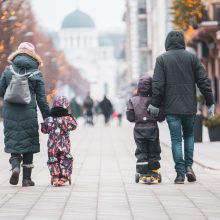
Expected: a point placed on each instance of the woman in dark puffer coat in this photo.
(20, 120)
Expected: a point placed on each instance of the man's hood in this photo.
(175, 40)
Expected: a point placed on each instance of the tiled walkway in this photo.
(103, 184)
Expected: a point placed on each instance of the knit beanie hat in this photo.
(26, 48)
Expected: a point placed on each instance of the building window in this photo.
(142, 29)
(142, 7)
(202, 50)
(104, 55)
(205, 50)
(216, 10)
(143, 62)
(78, 41)
(85, 41)
(71, 42)
(74, 42)
(66, 42)
(91, 42)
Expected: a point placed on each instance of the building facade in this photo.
(159, 19)
(84, 49)
(206, 42)
(147, 22)
(132, 57)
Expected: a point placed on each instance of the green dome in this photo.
(78, 19)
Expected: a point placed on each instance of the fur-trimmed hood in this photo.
(29, 53)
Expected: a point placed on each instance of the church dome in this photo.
(78, 19)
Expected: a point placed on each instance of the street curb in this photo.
(195, 161)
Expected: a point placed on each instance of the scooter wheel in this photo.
(160, 179)
(137, 176)
(70, 182)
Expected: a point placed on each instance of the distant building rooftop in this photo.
(78, 19)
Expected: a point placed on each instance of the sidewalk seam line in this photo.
(99, 179)
(161, 203)
(36, 201)
(72, 188)
(193, 203)
(125, 191)
(195, 161)
(14, 194)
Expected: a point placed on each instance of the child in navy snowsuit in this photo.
(146, 132)
(58, 125)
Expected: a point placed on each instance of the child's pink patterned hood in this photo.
(61, 101)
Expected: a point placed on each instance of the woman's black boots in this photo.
(27, 169)
(15, 162)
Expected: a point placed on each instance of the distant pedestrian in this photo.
(176, 74)
(75, 108)
(146, 132)
(88, 107)
(106, 108)
(20, 114)
(58, 125)
(119, 108)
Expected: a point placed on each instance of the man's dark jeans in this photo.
(182, 126)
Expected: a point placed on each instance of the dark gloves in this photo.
(211, 111)
(153, 111)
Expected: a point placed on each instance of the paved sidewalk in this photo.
(103, 185)
(206, 154)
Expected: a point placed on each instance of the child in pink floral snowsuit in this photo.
(58, 125)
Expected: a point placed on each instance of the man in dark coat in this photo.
(20, 120)
(88, 106)
(175, 77)
(106, 108)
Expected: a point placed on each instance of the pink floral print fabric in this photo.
(60, 160)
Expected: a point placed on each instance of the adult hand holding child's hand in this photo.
(153, 111)
(211, 111)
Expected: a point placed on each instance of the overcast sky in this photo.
(107, 14)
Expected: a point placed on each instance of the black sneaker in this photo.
(180, 178)
(190, 174)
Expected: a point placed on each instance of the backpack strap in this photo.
(29, 74)
(34, 73)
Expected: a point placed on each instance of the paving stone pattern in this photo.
(103, 186)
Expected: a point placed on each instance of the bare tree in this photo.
(17, 24)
